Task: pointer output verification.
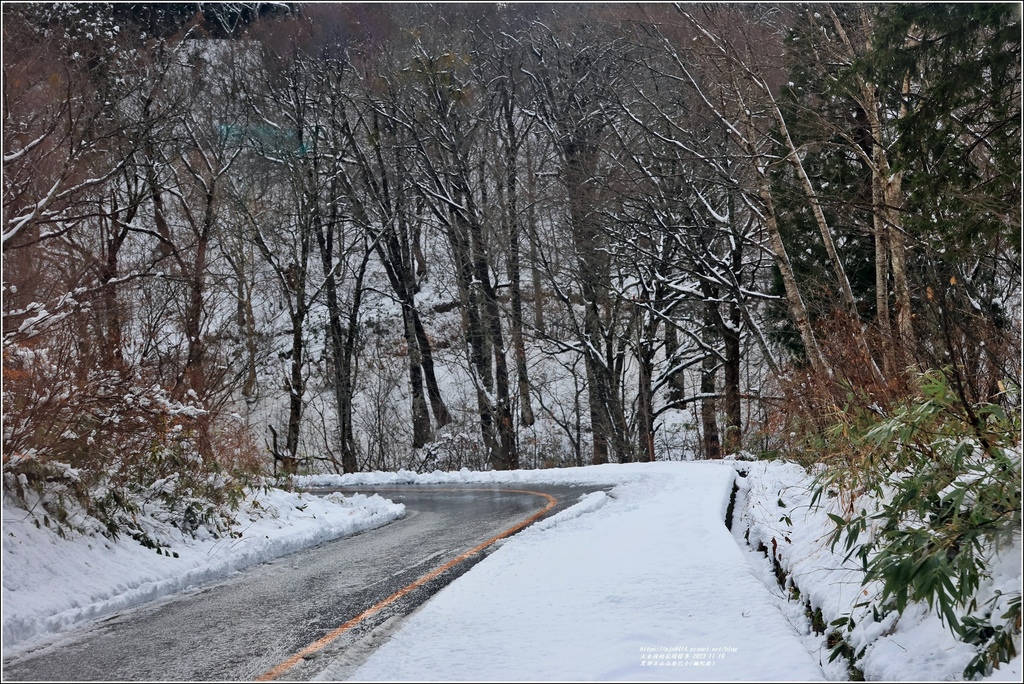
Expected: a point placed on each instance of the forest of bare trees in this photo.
(276, 238)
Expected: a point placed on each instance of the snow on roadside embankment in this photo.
(913, 646)
(52, 584)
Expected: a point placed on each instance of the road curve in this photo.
(262, 622)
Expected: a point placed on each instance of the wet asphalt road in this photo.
(241, 627)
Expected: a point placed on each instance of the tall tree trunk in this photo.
(481, 316)
(194, 372)
(531, 225)
(733, 405)
(421, 432)
(676, 377)
(112, 335)
(731, 342)
(296, 387)
(349, 363)
(441, 415)
(514, 270)
(797, 308)
(592, 273)
(599, 424)
(342, 340)
(645, 391)
(901, 284)
(849, 303)
(898, 249)
(400, 271)
(881, 231)
(248, 324)
(712, 444)
(506, 457)
(890, 243)
(887, 198)
(819, 215)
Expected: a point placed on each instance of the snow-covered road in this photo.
(241, 627)
(647, 585)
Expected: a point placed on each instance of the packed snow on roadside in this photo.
(52, 584)
(649, 585)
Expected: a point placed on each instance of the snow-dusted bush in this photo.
(933, 495)
(89, 453)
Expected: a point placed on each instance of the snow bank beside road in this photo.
(648, 585)
(608, 474)
(913, 646)
(52, 584)
(649, 581)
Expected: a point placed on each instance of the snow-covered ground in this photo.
(648, 585)
(642, 583)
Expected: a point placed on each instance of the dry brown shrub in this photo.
(236, 448)
(78, 435)
(812, 405)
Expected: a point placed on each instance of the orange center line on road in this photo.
(325, 640)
